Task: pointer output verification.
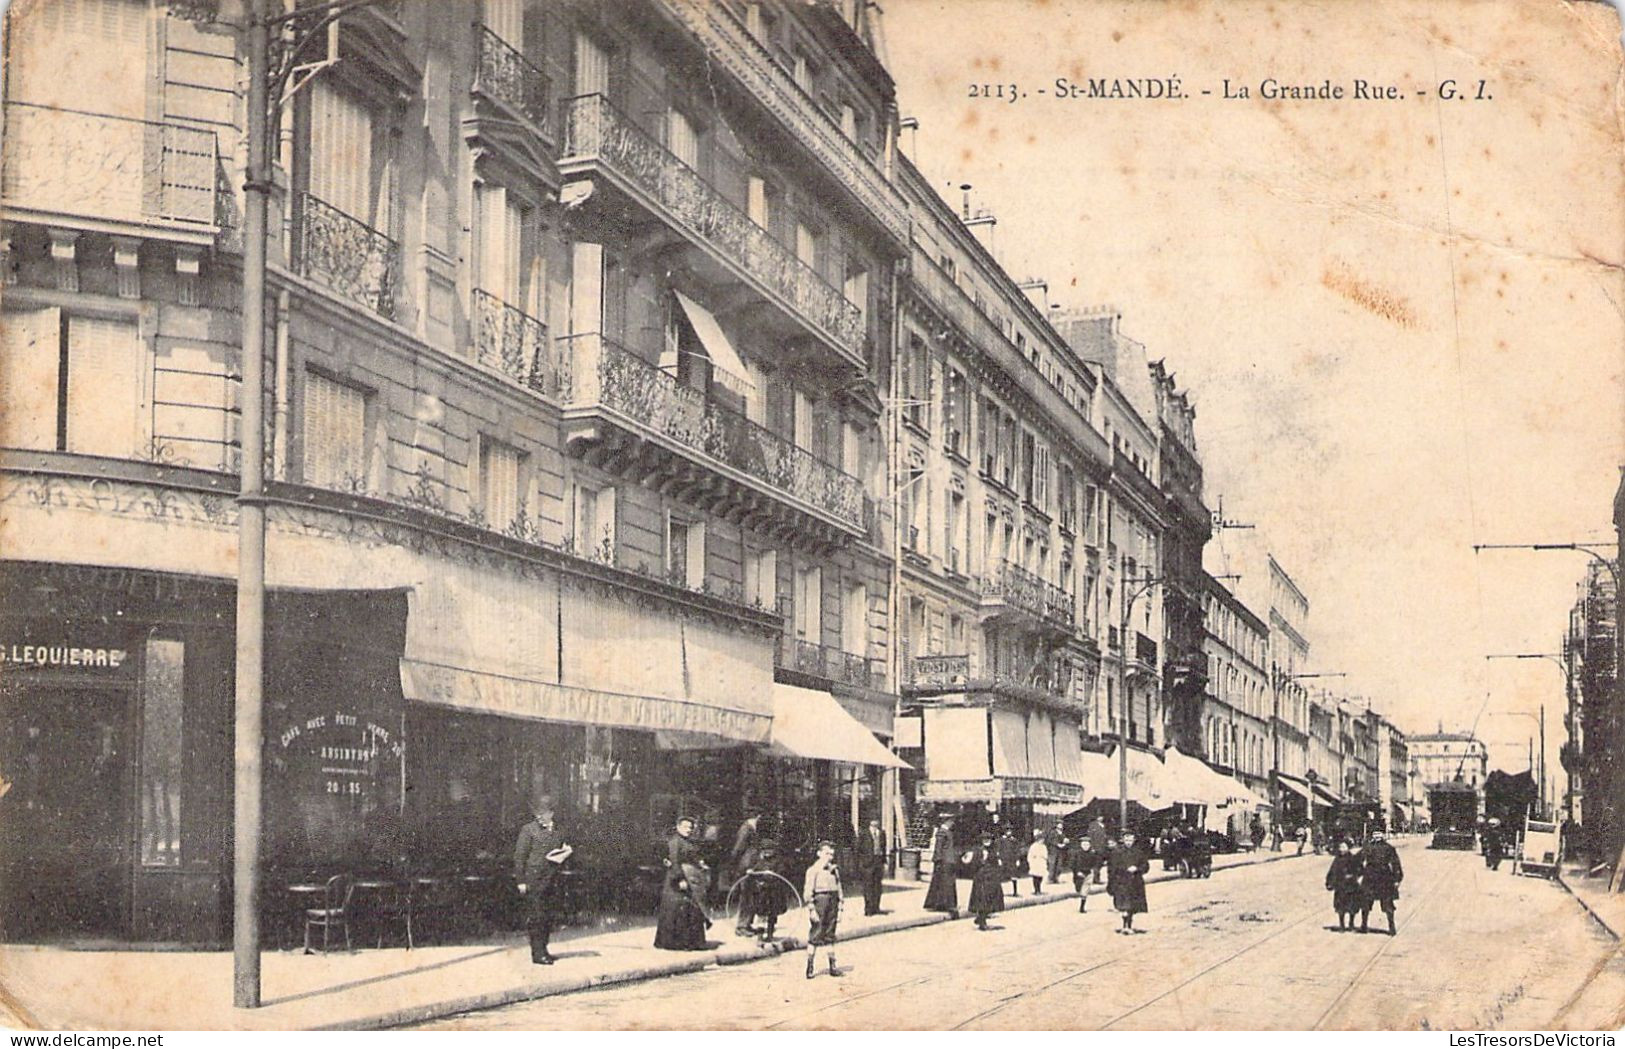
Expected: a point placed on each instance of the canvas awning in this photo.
(1295, 785)
(721, 351)
(1326, 795)
(811, 724)
(1146, 778)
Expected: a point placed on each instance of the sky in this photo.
(1402, 321)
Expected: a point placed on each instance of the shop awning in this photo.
(1295, 785)
(722, 353)
(1145, 778)
(1326, 795)
(811, 724)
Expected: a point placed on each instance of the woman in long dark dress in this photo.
(987, 883)
(943, 892)
(681, 923)
(1125, 880)
(1343, 881)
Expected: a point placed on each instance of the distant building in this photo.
(1444, 757)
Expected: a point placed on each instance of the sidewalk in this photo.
(51, 988)
(1591, 891)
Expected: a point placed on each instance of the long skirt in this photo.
(826, 916)
(1128, 894)
(943, 892)
(1346, 899)
(986, 893)
(681, 924)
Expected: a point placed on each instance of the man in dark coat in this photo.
(872, 853)
(987, 882)
(943, 892)
(1082, 859)
(538, 857)
(1125, 880)
(1256, 832)
(1098, 843)
(1494, 845)
(1010, 858)
(1055, 843)
(1380, 875)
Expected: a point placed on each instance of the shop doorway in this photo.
(64, 762)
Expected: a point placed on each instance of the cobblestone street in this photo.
(1250, 948)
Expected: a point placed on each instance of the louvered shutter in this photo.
(30, 356)
(104, 386)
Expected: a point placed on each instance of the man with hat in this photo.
(538, 858)
(1380, 875)
(1495, 849)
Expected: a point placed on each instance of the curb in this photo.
(1590, 910)
(721, 957)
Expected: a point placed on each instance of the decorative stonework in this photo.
(64, 252)
(127, 264)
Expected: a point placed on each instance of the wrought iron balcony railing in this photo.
(348, 256)
(831, 664)
(1013, 585)
(95, 166)
(516, 344)
(594, 130)
(510, 78)
(604, 373)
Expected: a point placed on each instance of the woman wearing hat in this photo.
(1125, 880)
(682, 922)
(943, 892)
(987, 883)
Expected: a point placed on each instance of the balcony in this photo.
(626, 414)
(829, 664)
(1048, 685)
(1011, 589)
(516, 344)
(107, 173)
(602, 142)
(506, 77)
(726, 40)
(348, 256)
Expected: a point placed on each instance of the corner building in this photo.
(575, 353)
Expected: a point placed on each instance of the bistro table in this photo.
(305, 895)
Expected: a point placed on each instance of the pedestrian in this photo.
(1315, 838)
(1125, 880)
(741, 859)
(1302, 836)
(1083, 862)
(1098, 845)
(1037, 860)
(987, 881)
(1343, 881)
(1256, 831)
(1275, 837)
(822, 891)
(872, 854)
(1011, 859)
(1494, 845)
(943, 892)
(538, 856)
(1380, 875)
(681, 922)
(766, 888)
(1055, 845)
(1201, 855)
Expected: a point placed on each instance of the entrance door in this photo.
(64, 760)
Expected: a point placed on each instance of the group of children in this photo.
(1360, 877)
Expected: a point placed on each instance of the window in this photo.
(807, 245)
(681, 138)
(1007, 451)
(510, 259)
(802, 71)
(595, 522)
(88, 366)
(954, 538)
(954, 414)
(341, 151)
(162, 759)
(753, 21)
(762, 578)
(756, 197)
(857, 288)
(501, 491)
(804, 424)
(685, 552)
(809, 599)
(849, 122)
(336, 452)
(990, 542)
(917, 383)
(1068, 498)
(855, 620)
(591, 66)
(851, 450)
(956, 635)
(1029, 456)
(987, 437)
(1041, 475)
(107, 42)
(506, 18)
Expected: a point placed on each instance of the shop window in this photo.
(685, 552)
(595, 522)
(502, 469)
(162, 696)
(762, 578)
(336, 451)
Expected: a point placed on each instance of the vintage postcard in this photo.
(811, 514)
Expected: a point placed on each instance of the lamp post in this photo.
(1562, 666)
(267, 90)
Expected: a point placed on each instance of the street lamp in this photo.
(267, 90)
(1561, 665)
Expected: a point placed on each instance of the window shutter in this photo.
(335, 417)
(506, 18)
(341, 149)
(30, 341)
(592, 67)
(104, 382)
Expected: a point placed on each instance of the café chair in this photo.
(334, 912)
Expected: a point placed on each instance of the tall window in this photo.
(955, 418)
(756, 198)
(809, 600)
(595, 522)
(762, 578)
(1041, 475)
(1028, 466)
(807, 245)
(685, 552)
(855, 620)
(506, 18)
(510, 258)
(341, 151)
(336, 451)
(987, 437)
(681, 138)
(89, 366)
(591, 66)
(857, 287)
(501, 473)
(955, 528)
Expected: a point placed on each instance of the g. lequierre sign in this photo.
(54, 657)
